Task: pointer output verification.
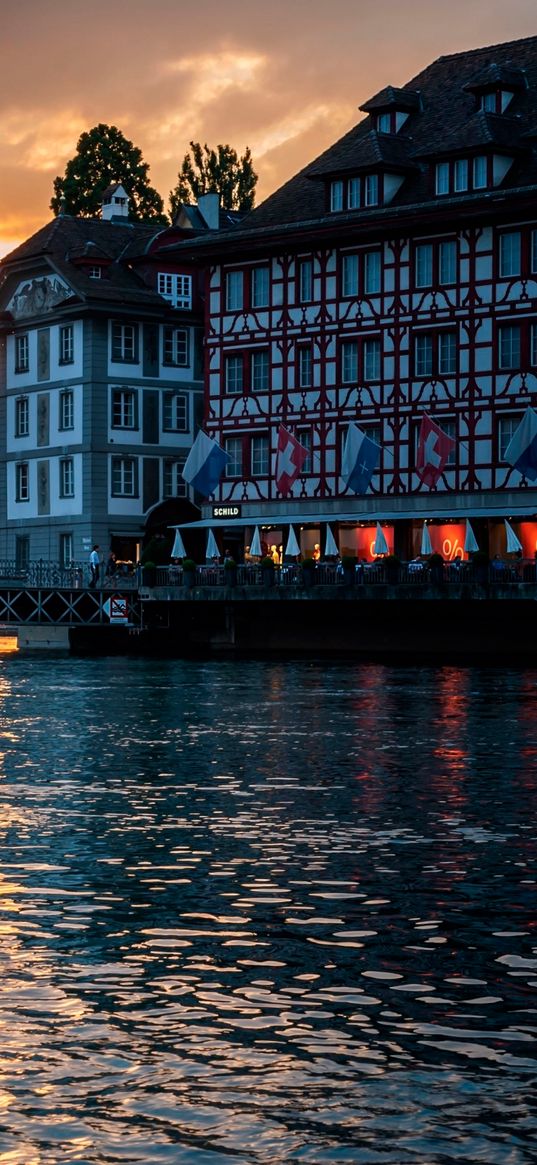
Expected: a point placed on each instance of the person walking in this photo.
(94, 565)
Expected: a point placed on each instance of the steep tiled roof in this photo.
(447, 113)
(372, 151)
(392, 98)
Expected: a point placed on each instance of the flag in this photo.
(204, 465)
(361, 456)
(290, 458)
(521, 451)
(434, 448)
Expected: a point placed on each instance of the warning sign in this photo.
(117, 609)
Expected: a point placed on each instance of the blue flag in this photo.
(205, 464)
(361, 456)
(521, 451)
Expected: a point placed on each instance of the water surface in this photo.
(264, 913)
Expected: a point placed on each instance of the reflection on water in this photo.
(266, 913)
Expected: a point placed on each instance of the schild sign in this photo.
(227, 511)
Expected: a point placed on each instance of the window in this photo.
(95, 272)
(234, 373)
(259, 371)
(124, 401)
(175, 412)
(510, 253)
(447, 263)
(22, 418)
(174, 484)
(423, 354)
(507, 427)
(66, 344)
(353, 193)
(533, 345)
(234, 290)
(480, 173)
(305, 281)
(304, 436)
(509, 346)
(371, 359)
(435, 354)
(176, 347)
(260, 287)
(66, 418)
(259, 456)
(336, 195)
(22, 357)
(349, 361)
(124, 343)
(533, 259)
(424, 265)
(22, 552)
(435, 264)
(67, 477)
(124, 483)
(447, 353)
(233, 447)
(177, 289)
(384, 123)
(22, 482)
(372, 273)
(66, 550)
(305, 366)
(371, 190)
(361, 270)
(349, 271)
(460, 175)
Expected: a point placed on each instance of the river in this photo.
(267, 913)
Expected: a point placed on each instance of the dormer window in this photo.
(463, 174)
(495, 100)
(385, 123)
(352, 193)
(95, 272)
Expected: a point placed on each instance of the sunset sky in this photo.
(282, 76)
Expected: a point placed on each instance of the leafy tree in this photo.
(221, 171)
(104, 155)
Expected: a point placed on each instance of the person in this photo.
(316, 552)
(111, 565)
(94, 565)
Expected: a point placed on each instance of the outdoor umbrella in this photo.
(380, 545)
(426, 544)
(212, 550)
(292, 548)
(470, 543)
(513, 543)
(178, 550)
(255, 548)
(331, 549)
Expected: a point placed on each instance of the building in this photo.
(101, 384)
(396, 275)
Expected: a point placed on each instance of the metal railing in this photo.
(494, 574)
(41, 573)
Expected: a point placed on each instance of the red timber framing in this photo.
(377, 316)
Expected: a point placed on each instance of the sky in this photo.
(284, 77)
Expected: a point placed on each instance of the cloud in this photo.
(40, 142)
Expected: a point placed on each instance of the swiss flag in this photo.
(290, 458)
(434, 448)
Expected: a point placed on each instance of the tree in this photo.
(221, 171)
(104, 155)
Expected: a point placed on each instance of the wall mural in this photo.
(38, 295)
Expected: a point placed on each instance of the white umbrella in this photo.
(255, 548)
(212, 550)
(178, 549)
(292, 548)
(513, 543)
(426, 544)
(470, 543)
(380, 545)
(331, 549)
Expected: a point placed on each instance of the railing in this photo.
(416, 574)
(42, 573)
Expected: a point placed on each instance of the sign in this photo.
(117, 609)
(227, 511)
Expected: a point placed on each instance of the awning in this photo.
(369, 517)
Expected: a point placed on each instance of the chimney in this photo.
(209, 207)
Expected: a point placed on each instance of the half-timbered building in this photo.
(395, 276)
